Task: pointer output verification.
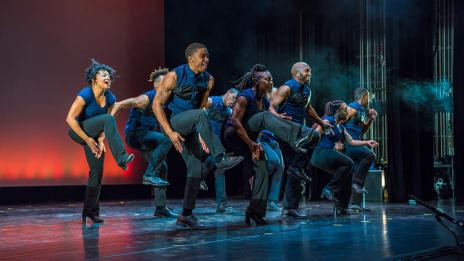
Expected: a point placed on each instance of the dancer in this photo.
(360, 118)
(189, 86)
(325, 157)
(141, 134)
(90, 123)
(292, 101)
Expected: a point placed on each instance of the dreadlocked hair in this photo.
(249, 79)
(94, 67)
(157, 73)
(331, 107)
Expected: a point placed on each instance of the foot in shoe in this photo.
(165, 212)
(357, 208)
(301, 175)
(189, 221)
(339, 211)
(327, 193)
(126, 162)
(155, 181)
(358, 189)
(294, 214)
(228, 162)
(203, 186)
(257, 220)
(223, 208)
(273, 206)
(95, 219)
(307, 140)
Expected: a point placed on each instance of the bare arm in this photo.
(237, 116)
(352, 142)
(74, 112)
(279, 97)
(164, 91)
(139, 102)
(313, 114)
(204, 101)
(372, 115)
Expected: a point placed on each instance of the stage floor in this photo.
(130, 232)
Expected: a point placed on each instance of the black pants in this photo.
(284, 130)
(93, 127)
(296, 161)
(363, 158)
(189, 124)
(340, 166)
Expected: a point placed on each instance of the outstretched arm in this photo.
(139, 102)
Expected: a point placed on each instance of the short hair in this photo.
(155, 74)
(297, 66)
(233, 90)
(359, 92)
(192, 48)
(94, 67)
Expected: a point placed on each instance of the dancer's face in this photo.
(365, 99)
(265, 82)
(102, 80)
(199, 60)
(342, 113)
(229, 99)
(304, 74)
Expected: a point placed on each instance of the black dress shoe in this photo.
(327, 193)
(293, 213)
(301, 175)
(339, 211)
(165, 212)
(257, 220)
(126, 162)
(189, 221)
(95, 219)
(155, 181)
(203, 185)
(307, 140)
(228, 162)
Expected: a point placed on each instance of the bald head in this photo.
(301, 72)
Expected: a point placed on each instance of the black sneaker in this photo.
(189, 221)
(308, 139)
(359, 189)
(301, 175)
(203, 185)
(165, 212)
(228, 162)
(155, 181)
(126, 162)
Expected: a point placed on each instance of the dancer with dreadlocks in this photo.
(325, 157)
(89, 120)
(189, 86)
(292, 101)
(248, 119)
(141, 134)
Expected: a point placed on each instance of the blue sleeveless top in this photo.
(355, 125)
(299, 98)
(91, 107)
(218, 114)
(328, 140)
(189, 91)
(252, 108)
(142, 119)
